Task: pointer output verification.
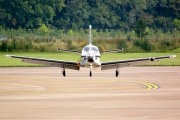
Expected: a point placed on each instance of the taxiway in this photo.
(139, 93)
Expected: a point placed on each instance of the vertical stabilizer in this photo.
(90, 36)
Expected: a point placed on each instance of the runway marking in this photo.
(147, 85)
(72, 86)
(14, 88)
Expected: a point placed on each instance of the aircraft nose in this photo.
(90, 59)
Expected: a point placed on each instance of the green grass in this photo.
(175, 51)
(9, 62)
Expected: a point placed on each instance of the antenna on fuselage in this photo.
(90, 36)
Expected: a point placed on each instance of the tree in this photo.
(101, 14)
(75, 15)
(176, 23)
(128, 10)
(3, 16)
(174, 9)
(43, 30)
(140, 28)
(30, 14)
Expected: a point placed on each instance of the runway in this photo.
(139, 93)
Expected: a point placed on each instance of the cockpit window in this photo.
(93, 48)
(86, 48)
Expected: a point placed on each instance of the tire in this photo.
(117, 73)
(90, 74)
(64, 73)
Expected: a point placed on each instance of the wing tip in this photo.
(8, 56)
(172, 56)
(58, 49)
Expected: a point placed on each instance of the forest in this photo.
(137, 25)
(77, 14)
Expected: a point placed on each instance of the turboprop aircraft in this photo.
(90, 58)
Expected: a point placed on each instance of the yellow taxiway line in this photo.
(147, 85)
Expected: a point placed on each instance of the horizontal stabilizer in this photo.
(114, 50)
(66, 50)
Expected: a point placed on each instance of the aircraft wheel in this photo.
(90, 74)
(64, 73)
(117, 73)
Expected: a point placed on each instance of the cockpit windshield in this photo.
(86, 48)
(93, 48)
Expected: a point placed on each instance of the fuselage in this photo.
(90, 56)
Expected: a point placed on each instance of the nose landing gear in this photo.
(90, 74)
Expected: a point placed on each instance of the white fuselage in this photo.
(90, 56)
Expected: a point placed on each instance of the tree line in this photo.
(101, 14)
(44, 39)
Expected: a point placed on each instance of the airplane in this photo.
(90, 58)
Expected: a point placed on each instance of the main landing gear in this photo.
(117, 73)
(64, 72)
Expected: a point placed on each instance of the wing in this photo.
(48, 62)
(132, 62)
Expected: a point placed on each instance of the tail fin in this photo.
(90, 36)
